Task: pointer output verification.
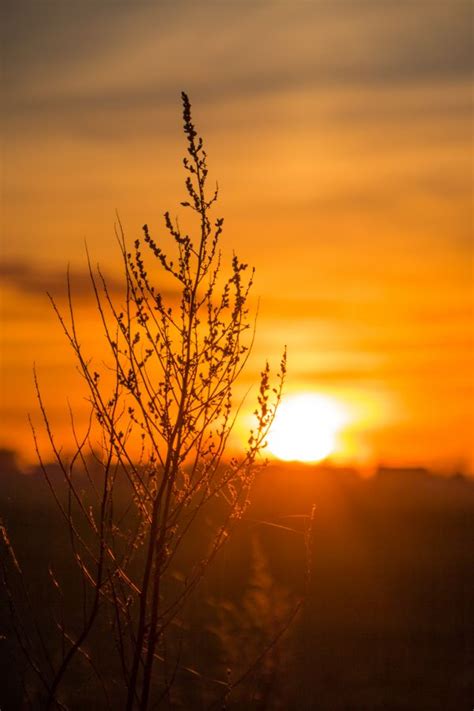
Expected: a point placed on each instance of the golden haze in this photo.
(344, 179)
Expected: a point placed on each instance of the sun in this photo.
(306, 428)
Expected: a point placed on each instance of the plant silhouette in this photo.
(162, 408)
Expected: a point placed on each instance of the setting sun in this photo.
(306, 428)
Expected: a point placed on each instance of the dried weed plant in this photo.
(163, 409)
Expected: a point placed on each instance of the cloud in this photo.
(33, 281)
(65, 61)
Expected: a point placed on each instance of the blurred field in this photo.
(388, 619)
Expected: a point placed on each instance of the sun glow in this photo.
(306, 427)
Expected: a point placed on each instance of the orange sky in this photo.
(340, 134)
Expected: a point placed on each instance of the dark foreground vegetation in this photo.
(149, 495)
(387, 623)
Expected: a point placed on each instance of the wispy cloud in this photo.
(29, 279)
(63, 59)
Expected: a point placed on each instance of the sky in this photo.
(341, 137)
